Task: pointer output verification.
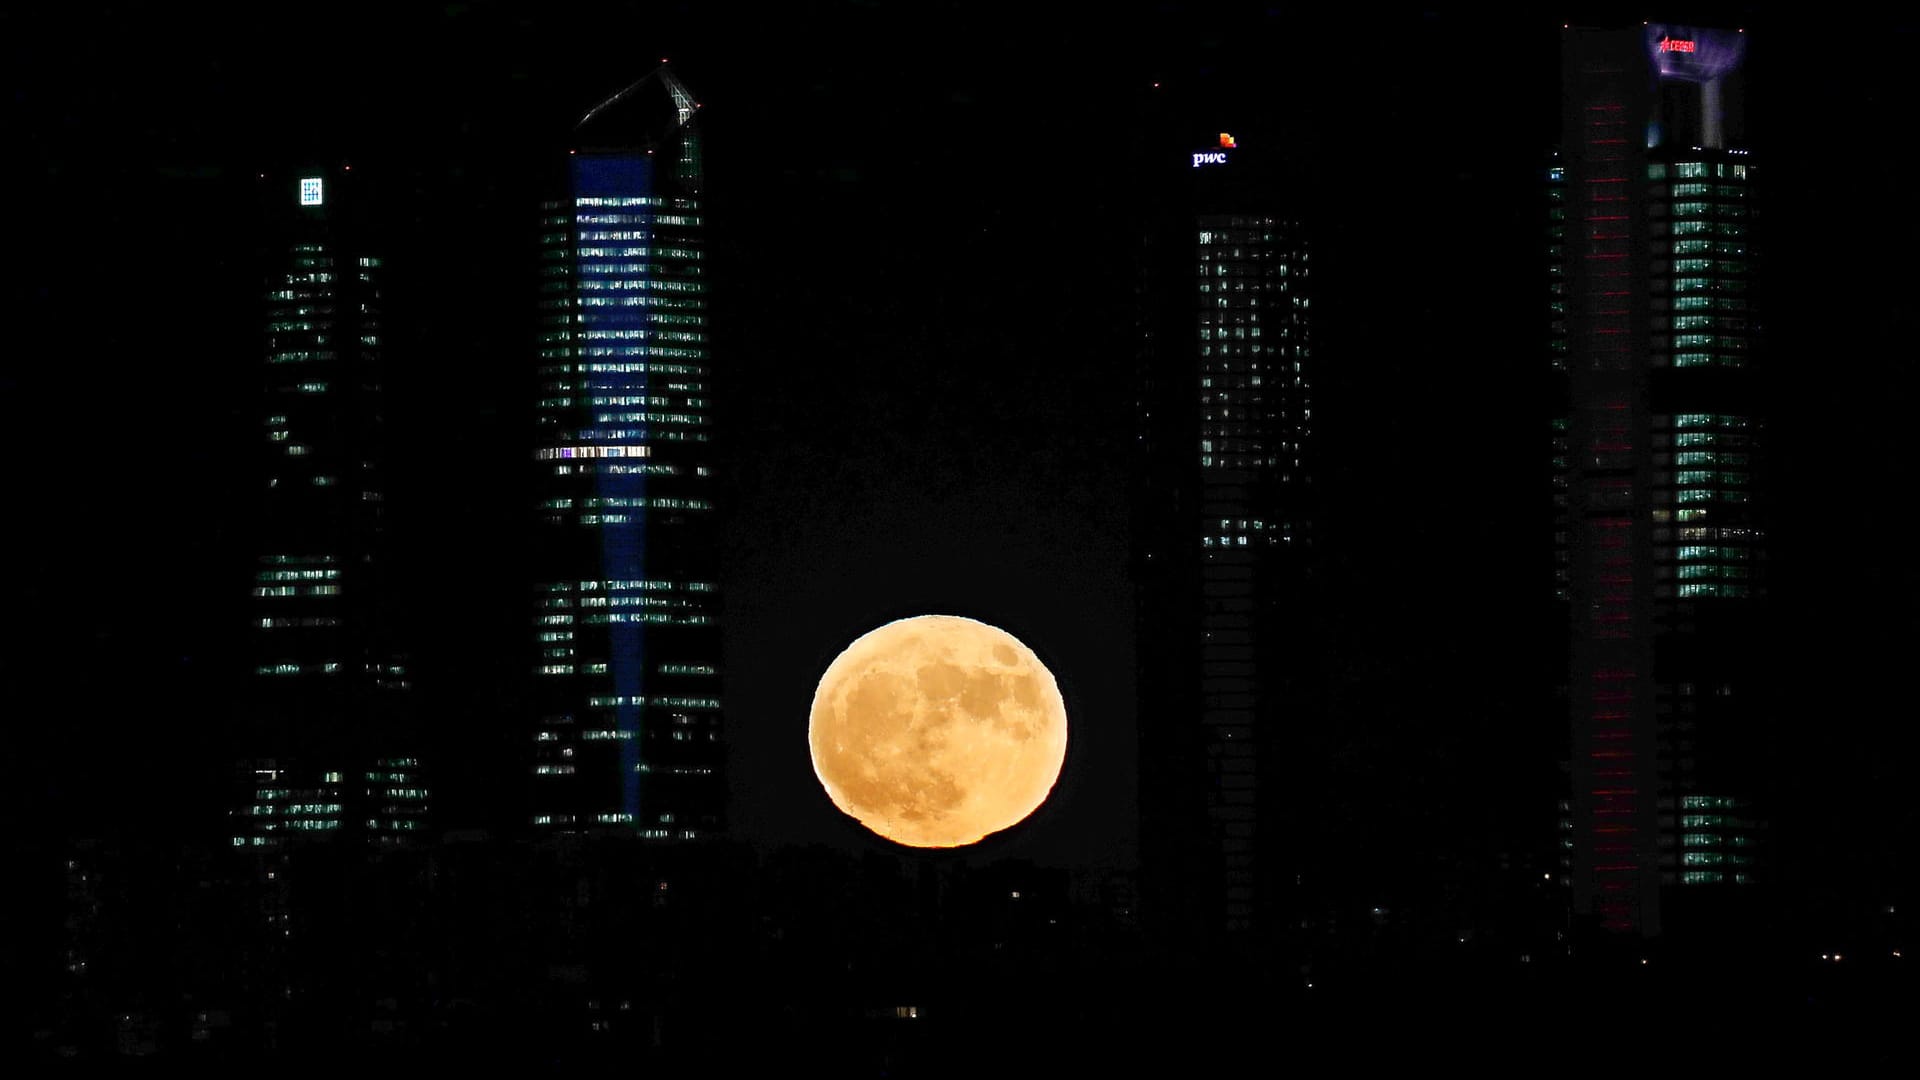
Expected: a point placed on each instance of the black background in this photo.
(920, 218)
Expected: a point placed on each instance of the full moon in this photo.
(935, 731)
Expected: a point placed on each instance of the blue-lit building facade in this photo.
(1223, 525)
(1660, 533)
(628, 733)
(326, 742)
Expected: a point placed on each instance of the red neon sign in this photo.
(1675, 45)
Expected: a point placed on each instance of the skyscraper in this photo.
(1223, 520)
(628, 733)
(325, 740)
(1660, 538)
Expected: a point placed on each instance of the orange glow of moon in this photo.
(937, 730)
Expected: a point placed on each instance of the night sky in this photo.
(920, 222)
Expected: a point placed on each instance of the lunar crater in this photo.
(937, 731)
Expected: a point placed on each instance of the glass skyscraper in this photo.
(325, 739)
(1223, 521)
(628, 732)
(1660, 536)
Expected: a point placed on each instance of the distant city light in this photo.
(310, 191)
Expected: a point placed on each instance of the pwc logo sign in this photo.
(1215, 157)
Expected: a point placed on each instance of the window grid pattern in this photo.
(1252, 309)
(628, 730)
(1649, 273)
(1698, 218)
(327, 694)
(1708, 542)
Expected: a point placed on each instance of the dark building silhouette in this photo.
(330, 802)
(1660, 534)
(628, 731)
(325, 741)
(1223, 522)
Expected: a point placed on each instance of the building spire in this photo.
(677, 93)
